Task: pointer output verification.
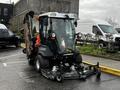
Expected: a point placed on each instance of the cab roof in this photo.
(58, 15)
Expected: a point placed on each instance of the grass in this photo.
(95, 51)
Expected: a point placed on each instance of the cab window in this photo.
(43, 29)
(96, 30)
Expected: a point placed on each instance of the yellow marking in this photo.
(102, 68)
(106, 69)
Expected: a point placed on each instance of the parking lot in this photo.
(15, 74)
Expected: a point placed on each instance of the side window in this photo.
(43, 29)
(96, 30)
(5, 11)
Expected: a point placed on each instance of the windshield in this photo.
(65, 31)
(107, 29)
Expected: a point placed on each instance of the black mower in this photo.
(57, 57)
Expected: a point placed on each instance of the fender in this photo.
(45, 51)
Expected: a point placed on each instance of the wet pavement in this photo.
(15, 74)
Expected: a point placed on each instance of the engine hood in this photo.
(116, 35)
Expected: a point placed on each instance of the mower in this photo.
(57, 57)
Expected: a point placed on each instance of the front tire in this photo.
(37, 63)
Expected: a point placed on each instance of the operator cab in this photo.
(57, 57)
(60, 29)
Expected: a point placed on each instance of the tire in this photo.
(37, 63)
(59, 78)
(101, 45)
(41, 62)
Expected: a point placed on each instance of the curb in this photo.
(105, 69)
(101, 56)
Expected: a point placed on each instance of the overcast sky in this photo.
(100, 9)
(8, 1)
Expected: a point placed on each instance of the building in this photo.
(38, 6)
(6, 12)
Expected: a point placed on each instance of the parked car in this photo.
(7, 37)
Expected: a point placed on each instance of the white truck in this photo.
(100, 31)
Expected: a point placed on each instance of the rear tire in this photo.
(59, 78)
(100, 45)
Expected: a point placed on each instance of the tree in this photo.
(111, 21)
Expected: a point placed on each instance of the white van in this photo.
(104, 32)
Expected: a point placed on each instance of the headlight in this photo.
(53, 35)
(109, 36)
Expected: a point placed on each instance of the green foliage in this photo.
(95, 51)
(91, 49)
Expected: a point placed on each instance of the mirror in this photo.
(75, 23)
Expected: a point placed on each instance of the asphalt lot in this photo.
(15, 74)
